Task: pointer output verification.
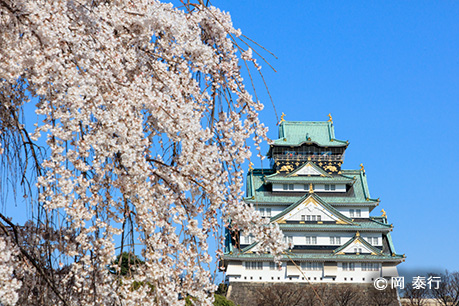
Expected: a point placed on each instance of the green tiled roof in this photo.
(315, 257)
(295, 133)
(391, 244)
(380, 219)
(357, 226)
(258, 192)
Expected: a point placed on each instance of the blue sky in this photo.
(388, 73)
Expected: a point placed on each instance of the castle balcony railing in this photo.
(305, 157)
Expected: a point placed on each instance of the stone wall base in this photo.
(296, 294)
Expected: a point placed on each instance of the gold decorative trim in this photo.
(282, 118)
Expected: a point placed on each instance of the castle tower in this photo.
(323, 210)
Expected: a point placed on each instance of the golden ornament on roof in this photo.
(286, 168)
(282, 117)
(330, 119)
(383, 213)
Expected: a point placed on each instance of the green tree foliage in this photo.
(220, 300)
(127, 262)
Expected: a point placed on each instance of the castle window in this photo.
(262, 212)
(351, 213)
(313, 218)
(311, 240)
(248, 239)
(272, 265)
(335, 240)
(253, 265)
(303, 218)
(370, 266)
(289, 240)
(348, 266)
(358, 213)
(311, 266)
(373, 240)
(268, 212)
(330, 187)
(287, 186)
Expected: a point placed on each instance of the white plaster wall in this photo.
(364, 211)
(280, 275)
(299, 238)
(321, 188)
(323, 238)
(274, 209)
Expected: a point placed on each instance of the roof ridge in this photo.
(363, 241)
(317, 198)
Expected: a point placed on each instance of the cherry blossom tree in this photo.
(142, 123)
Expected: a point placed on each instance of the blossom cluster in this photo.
(147, 121)
(9, 285)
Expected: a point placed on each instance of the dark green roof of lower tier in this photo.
(295, 133)
(316, 257)
(258, 190)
